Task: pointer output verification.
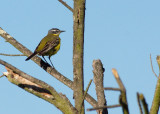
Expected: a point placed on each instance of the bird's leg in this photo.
(50, 61)
(44, 59)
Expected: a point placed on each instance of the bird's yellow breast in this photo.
(55, 50)
(48, 38)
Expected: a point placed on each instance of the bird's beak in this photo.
(63, 31)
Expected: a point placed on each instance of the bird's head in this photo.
(55, 31)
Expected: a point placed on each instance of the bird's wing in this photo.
(49, 45)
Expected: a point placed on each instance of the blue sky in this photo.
(122, 34)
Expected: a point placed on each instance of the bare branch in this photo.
(24, 75)
(98, 80)
(156, 99)
(85, 93)
(42, 64)
(78, 45)
(37, 87)
(111, 88)
(115, 73)
(12, 54)
(152, 67)
(139, 104)
(158, 61)
(123, 97)
(98, 108)
(66, 5)
(2, 76)
(144, 104)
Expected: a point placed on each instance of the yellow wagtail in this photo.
(49, 45)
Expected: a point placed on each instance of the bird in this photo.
(49, 45)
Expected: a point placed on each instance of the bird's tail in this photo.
(35, 53)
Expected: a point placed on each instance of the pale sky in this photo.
(122, 34)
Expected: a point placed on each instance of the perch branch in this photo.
(12, 54)
(43, 65)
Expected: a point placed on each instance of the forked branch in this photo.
(38, 88)
(43, 65)
(156, 99)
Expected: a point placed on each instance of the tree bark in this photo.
(98, 71)
(38, 88)
(156, 100)
(78, 44)
(123, 96)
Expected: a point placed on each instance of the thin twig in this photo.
(139, 104)
(2, 76)
(85, 93)
(97, 108)
(12, 54)
(66, 5)
(111, 88)
(152, 67)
